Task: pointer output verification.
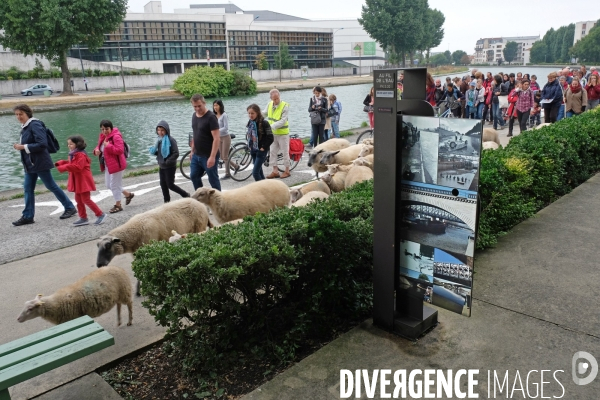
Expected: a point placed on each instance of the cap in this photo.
(473, 83)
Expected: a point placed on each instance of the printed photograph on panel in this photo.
(459, 153)
(452, 296)
(420, 149)
(452, 267)
(439, 217)
(416, 256)
(417, 288)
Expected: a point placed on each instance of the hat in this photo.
(473, 83)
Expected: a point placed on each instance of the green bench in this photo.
(41, 352)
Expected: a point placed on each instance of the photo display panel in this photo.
(439, 203)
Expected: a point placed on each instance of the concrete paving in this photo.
(535, 306)
(88, 387)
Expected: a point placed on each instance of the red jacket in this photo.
(512, 99)
(114, 151)
(80, 175)
(593, 92)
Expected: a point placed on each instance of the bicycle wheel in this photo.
(293, 163)
(184, 165)
(240, 164)
(365, 135)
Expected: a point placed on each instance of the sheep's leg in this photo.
(118, 314)
(137, 288)
(130, 309)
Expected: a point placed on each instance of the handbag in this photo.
(503, 101)
(368, 108)
(315, 117)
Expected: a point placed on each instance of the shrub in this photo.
(535, 169)
(213, 82)
(76, 74)
(97, 72)
(266, 286)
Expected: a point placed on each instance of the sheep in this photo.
(309, 198)
(296, 194)
(335, 182)
(93, 295)
(315, 155)
(176, 236)
(357, 174)
(365, 162)
(261, 196)
(489, 145)
(333, 169)
(490, 135)
(366, 150)
(369, 141)
(541, 125)
(344, 156)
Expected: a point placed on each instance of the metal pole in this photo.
(279, 59)
(121, 61)
(82, 70)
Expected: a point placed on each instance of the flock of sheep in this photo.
(341, 163)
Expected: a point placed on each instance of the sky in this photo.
(464, 25)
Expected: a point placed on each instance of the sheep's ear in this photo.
(320, 151)
(333, 153)
(116, 240)
(211, 191)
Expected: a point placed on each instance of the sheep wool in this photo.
(344, 156)
(489, 146)
(261, 196)
(314, 157)
(309, 198)
(366, 150)
(358, 174)
(336, 182)
(320, 186)
(490, 135)
(364, 161)
(93, 295)
(369, 141)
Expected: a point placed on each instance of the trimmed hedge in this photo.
(536, 168)
(264, 287)
(214, 82)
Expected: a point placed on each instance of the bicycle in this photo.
(240, 162)
(450, 105)
(368, 134)
(184, 163)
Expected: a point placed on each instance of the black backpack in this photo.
(332, 112)
(126, 149)
(53, 146)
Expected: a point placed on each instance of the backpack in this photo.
(296, 149)
(126, 149)
(331, 112)
(53, 145)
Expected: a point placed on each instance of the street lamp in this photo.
(82, 70)
(255, 18)
(333, 49)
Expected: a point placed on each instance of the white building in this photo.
(490, 50)
(581, 29)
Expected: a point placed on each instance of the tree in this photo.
(396, 24)
(439, 59)
(433, 32)
(261, 61)
(448, 56)
(567, 43)
(538, 52)
(588, 48)
(457, 56)
(283, 59)
(510, 51)
(50, 28)
(465, 60)
(424, 277)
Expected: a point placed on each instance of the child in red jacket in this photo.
(80, 179)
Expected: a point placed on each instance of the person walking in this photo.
(327, 129)
(80, 181)
(111, 153)
(166, 151)
(36, 160)
(524, 105)
(575, 99)
(552, 97)
(277, 115)
(593, 91)
(335, 120)
(205, 145)
(260, 138)
(225, 138)
(368, 103)
(499, 90)
(318, 104)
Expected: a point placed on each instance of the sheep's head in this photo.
(361, 161)
(333, 168)
(328, 157)
(327, 177)
(314, 157)
(203, 195)
(32, 309)
(108, 248)
(368, 141)
(295, 195)
(366, 150)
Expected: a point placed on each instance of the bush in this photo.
(264, 287)
(76, 74)
(536, 168)
(213, 82)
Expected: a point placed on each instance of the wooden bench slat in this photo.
(54, 359)
(48, 345)
(46, 334)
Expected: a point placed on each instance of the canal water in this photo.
(137, 122)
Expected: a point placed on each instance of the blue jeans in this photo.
(317, 135)
(470, 112)
(479, 112)
(561, 113)
(335, 129)
(571, 113)
(29, 189)
(198, 168)
(497, 115)
(258, 159)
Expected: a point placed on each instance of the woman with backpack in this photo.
(37, 163)
(111, 153)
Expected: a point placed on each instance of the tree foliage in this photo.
(214, 82)
(457, 56)
(261, 61)
(510, 51)
(433, 32)
(283, 59)
(555, 46)
(538, 52)
(588, 48)
(465, 59)
(49, 28)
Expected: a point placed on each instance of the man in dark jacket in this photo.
(37, 163)
(552, 96)
(464, 86)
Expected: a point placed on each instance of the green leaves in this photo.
(214, 82)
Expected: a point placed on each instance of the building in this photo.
(227, 36)
(491, 50)
(582, 29)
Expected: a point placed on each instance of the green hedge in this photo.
(264, 287)
(536, 168)
(214, 82)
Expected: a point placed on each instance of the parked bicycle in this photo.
(449, 105)
(184, 163)
(240, 162)
(368, 134)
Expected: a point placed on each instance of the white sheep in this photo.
(366, 150)
(541, 125)
(357, 174)
(333, 169)
(315, 155)
(309, 198)
(296, 194)
(176, 236)
(490, 135)
(93, 295)
(365, 162)
(335, 182)
(261, 196)
(368, 141)
(344, 156)
(489, 146)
